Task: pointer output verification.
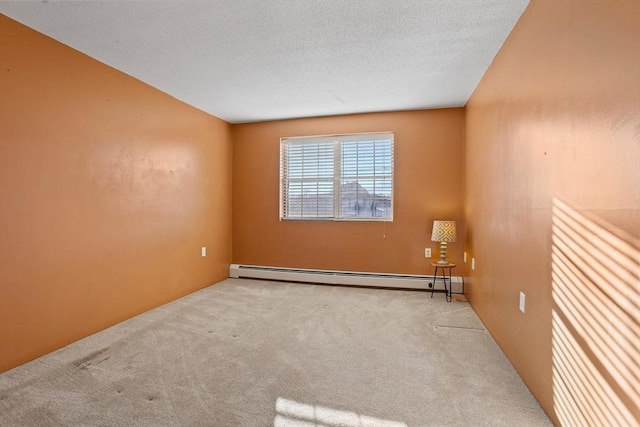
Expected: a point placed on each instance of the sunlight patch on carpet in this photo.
(290, 413)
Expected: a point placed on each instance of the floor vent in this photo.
(335, 277)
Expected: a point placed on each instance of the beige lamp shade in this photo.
(443, 231)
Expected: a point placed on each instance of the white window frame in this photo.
(336, 179)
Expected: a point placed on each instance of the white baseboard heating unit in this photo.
(335, 277)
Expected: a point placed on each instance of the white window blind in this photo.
(337, 177)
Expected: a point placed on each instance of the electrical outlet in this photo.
(522, 299)
(203, 251)
(464, 256)
(427, 252)
(473, 263)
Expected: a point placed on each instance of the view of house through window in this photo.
(337, 177)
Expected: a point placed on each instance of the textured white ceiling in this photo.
(254, 60)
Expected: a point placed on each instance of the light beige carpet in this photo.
(258, 353)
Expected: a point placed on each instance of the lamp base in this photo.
(443, 254)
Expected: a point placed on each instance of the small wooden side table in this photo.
(444, 277)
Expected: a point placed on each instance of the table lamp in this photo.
(443, 232)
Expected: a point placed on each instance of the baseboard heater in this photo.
(335, 277)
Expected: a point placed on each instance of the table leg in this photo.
(448, 294)
(447, 291)
(433, 284)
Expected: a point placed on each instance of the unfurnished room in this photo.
(337, 213)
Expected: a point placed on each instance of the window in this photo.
(340, 177)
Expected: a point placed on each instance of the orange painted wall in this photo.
(108, 190)
(428, 185)
(553, 132)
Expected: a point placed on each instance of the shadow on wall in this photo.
(595, 321)
(290, 413)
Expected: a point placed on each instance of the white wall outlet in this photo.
(522, 298)
(473, 263)
(203, 251)
(464, 256)
(427, 252)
